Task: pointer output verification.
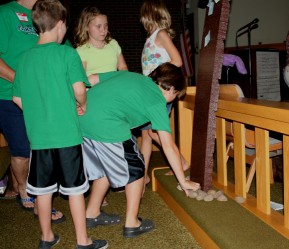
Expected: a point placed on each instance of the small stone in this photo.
(192, 194)
(208, 198)
(222, 198)
(218, 193)
(211, 192)
(179, 187)
(239, 199)
(201, 196)
(199, 191)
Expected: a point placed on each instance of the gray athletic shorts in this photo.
(122, 163)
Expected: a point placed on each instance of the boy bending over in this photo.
(119, 102)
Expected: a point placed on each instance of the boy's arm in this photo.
(17, 101)
(80, 95)
(6, 72)
(93, 79)
(173, 155)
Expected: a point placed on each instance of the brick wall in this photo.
(124, 24)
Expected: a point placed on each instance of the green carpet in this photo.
(19, 229)
(227, 223)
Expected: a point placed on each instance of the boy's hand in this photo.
(80, 109)
(93, 79)
(187, 185)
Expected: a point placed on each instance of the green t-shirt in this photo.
(121, 101)
(44, 79)
(100, 60)
(17, 36)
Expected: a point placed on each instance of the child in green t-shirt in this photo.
(119, 102)
(49, 87)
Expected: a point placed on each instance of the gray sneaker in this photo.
(96, 244)
(103, 219)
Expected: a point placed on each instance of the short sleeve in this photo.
(115, 46)
(159, 117)
(76, 70)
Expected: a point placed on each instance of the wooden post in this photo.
(211, 60)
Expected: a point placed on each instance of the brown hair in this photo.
(154, 14)
(46, 14)
(168, 75)
(86, 16)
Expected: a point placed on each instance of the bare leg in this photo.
(44, 214)
(146, 150)
(14, 181)
(133, 193)
(77, 209)
(54, 216)
(98, 190)
(12, 190)
(20, 167)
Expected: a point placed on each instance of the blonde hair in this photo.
(86, 16)
(154, 14)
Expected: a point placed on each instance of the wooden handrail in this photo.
(265, 116)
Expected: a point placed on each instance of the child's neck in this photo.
(97, 44)
(47, 37)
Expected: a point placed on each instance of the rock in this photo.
(218, 193)
(208, 198)
(222, 198)
(211, 192)
(192, 194)
(201, 196)
(239, 199)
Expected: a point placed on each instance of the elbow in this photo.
(177, 63)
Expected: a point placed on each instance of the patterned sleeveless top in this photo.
(152, 55)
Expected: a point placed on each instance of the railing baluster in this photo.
(286, 179)
(262, 170)
(222, 153)
(240, 160)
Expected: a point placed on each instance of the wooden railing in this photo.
(265, 116)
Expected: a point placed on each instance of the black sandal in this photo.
(145, 226)
(48, 244)
(103, 219)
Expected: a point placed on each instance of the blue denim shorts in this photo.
(13, 128)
